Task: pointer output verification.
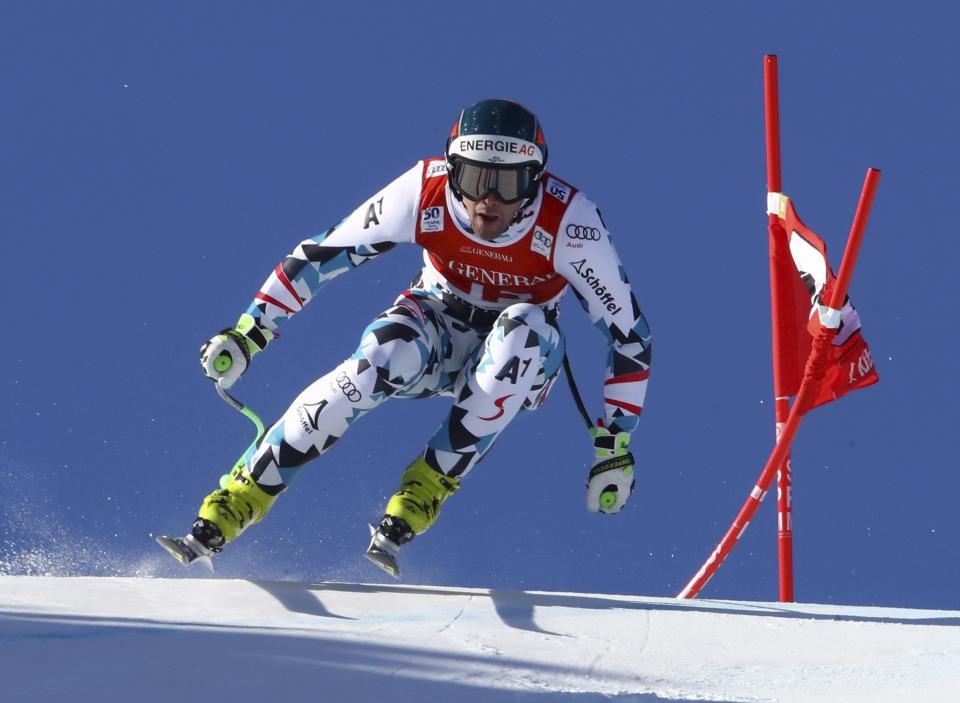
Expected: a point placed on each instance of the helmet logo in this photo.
(495, 150)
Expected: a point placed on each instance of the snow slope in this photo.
(128, 639)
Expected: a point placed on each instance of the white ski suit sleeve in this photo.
(380, 223)
(585, 256)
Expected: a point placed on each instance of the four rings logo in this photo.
(346, 385)
(590, 234)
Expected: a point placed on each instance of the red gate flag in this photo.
(802, 271)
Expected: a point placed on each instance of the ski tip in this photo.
(384, 561)
(174, 547)
(380, 552)
(171, 547)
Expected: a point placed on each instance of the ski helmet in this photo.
(496, 146)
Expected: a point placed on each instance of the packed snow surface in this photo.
(138, 639)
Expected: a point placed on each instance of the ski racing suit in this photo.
(479, 323)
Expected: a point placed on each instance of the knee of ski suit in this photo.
(513, 371)
(528, 341)
(399, 346)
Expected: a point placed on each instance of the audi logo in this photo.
(346, 385)
(591, 234)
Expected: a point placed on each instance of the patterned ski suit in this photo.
(479, 323)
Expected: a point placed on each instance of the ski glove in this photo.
(611, 474)
(224, 357)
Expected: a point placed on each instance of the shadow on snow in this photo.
(93, 659)
(516, 608)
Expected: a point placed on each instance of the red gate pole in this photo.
(781, 399)
(849, 261)
(805, 396)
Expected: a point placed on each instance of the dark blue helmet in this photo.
(496, 145)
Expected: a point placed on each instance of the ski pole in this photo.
(576, 393)
(607, 498)
(223, 364)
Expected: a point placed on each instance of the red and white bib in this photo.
(488, 273)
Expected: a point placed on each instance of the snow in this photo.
(152, 639)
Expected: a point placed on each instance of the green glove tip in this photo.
(223, 363)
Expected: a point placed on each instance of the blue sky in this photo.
(157, 161)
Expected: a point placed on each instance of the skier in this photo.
(502, 240)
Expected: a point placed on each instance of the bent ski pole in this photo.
(234, 403)
(223, 363)
(253, 417)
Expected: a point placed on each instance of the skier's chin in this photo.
(488, 226)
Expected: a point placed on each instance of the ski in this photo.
(383, 553)
(186, 550)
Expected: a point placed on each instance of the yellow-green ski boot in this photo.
(411, 511)
(233, 508)
(223, 516)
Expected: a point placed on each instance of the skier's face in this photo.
(490, 217)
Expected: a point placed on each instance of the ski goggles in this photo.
(509, 183)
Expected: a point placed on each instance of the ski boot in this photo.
(410, 512)
(223, 516)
